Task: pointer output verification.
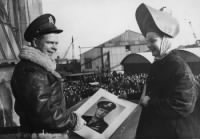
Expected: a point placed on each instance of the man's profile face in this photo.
(48, 44)
(101, 113)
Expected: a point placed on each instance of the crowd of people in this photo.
(117, 83)
(128, 85)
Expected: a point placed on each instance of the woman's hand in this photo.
(144, 100)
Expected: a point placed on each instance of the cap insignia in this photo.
(51, 20)
(109, 104)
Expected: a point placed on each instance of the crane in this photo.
(67, 51)
(193, 32)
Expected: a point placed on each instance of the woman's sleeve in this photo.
(182, 98)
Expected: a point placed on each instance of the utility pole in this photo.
(80, 56)
(102, 60)
(80, 51)
(73, 48)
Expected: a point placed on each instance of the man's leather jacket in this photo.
(40, 102)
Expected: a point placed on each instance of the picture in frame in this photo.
(119, 110)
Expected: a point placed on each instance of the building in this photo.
(108, 55)
(141, 62)
(137, 62)
(15, 15)
(66, 66)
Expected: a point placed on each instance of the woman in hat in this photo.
(170, 106)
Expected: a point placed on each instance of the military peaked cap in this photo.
(43, 24)
(107, 105)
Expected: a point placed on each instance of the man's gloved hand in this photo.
(79, 123)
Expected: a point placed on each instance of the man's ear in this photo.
(35, 42)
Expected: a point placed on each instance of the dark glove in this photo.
(72, 121)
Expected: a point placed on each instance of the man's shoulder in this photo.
(28, 66)
(28, 69)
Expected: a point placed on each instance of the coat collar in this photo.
(36, 56)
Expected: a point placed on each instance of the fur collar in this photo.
(36, 56)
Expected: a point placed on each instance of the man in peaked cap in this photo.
(97, 122)
(170, 105)
(42, 25)
(39, 97)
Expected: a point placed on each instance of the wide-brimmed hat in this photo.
(153, 20)
(43, 24)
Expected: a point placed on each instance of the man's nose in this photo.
(54, 47)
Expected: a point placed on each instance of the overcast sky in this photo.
(92, 22)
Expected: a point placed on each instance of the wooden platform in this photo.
(127, 129)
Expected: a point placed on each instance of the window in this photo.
(128, 47)
(88, 63)
(198, 42)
